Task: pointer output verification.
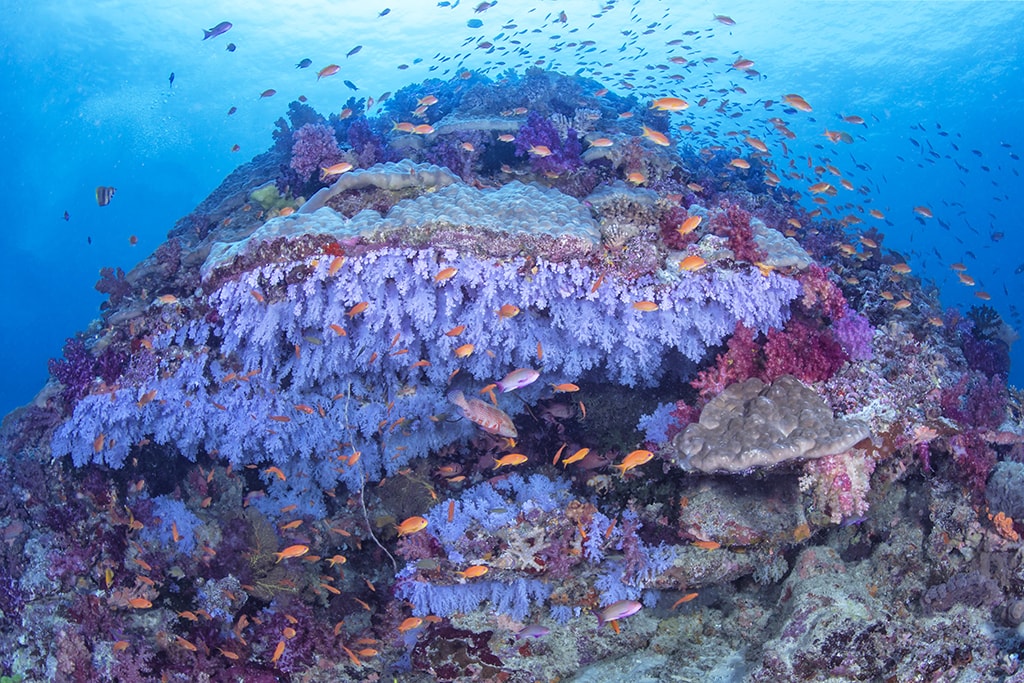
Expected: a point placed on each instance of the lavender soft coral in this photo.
(313, 147)
(309, 334)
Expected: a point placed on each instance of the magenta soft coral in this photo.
(739, 362)
(809, 353)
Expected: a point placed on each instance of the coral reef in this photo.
(492, 407)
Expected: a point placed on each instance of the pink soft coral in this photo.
(839, 484)
(738, 363)
(820, 290)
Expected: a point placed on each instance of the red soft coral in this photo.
(800, 349)
(733, 222)
(738, 363)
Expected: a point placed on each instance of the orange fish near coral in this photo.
(576, 457)
(692, 263)
(489, 418)
(445, 274)
(358, 308)
(634, 459)
(411, 526)
(337, 169)
(473, 572)
(291, 551)
(689, 225)
(656, 137)
(510, 460)
(669, 104)
(409, 624)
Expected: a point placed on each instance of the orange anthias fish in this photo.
(508, 311)
(669, 104)
(291, 551)
(634, 459)
(489, 418)
(797, 102)
(656, 137)
(328, 70)
(445, 273)
(692, 263)
(473, 571)
(511, 459)
(409, 624)
(411, 526)
(576, 457)
(689, 225)
(337, 169)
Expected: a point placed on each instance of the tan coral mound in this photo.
(752, 424)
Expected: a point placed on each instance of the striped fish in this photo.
(487, 417)
(104, 194)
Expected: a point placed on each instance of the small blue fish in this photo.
(354, 50)
(384, 12)
(170, 80)
(474, 23)
(231, 47)
(222, 27)
(304, 64)
(351, 85)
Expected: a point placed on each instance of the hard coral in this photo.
(752, 424)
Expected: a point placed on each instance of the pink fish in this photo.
(517, 379)
(490, 419)
(617, 610)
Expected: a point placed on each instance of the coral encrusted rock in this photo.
(752, 424)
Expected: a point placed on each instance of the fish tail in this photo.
(207, 34)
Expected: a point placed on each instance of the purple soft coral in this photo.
(538, 134)
(313, 147)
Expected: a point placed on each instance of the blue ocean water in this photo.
(88, 101)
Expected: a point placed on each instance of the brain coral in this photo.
(751, 424)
